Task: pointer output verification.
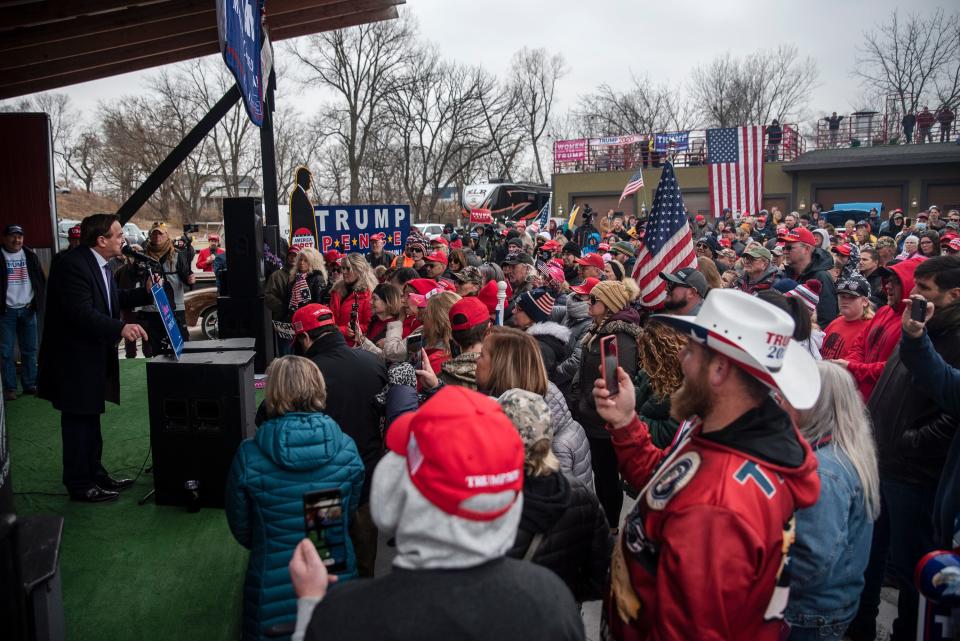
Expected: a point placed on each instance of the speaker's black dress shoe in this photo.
(95, 495)
(110, 483)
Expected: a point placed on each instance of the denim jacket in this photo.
(832, 547)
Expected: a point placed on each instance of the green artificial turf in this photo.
(129, 571)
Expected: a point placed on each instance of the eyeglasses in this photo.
(926, 241)
(787, 248)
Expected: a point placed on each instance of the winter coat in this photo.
(317, 284)
(289, 456)
(707, 535)
(570, 444)
(873, 347)
(342, 307)
(766, 281)
(353, 377)
(913, 433)
(552, 338)
(625, 326)
(654, 411)
(575, 541)
(832, 547)
(934, 374)
(275, 295)
(578, 320)
(819, 269)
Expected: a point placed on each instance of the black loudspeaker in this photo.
(247, 318)
(243, 228)
(201, 407)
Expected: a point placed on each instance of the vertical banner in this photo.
(347, 228)
(169, 320)
(238, 25)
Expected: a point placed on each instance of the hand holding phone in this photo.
(918, 309)
(609, 361)
(323, 525)
(414, 346)
(916, 312)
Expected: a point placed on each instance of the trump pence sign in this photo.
(348, 228)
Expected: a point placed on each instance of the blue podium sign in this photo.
(169, 320)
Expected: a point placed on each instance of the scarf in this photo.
(299, 293)
(157, 252)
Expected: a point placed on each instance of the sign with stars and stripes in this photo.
(735, 160)
(348, 228)
(667, 242)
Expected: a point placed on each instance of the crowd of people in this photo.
(784, 460)
(782, 424)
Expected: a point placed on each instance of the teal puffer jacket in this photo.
(289, 456)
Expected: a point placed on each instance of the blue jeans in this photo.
(817, 629)
(19, 326)
(901, 536)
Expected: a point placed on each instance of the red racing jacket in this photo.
(705, 552)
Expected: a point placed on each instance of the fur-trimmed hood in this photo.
(550, 328)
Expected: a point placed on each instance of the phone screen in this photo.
(610, 359)
(414, 345)
(918, 310)
(323, 523)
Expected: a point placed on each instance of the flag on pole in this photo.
(544, 216)
(573, 216)
(735, 158)
(667, 242)
(633, 185)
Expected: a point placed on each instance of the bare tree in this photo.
(762, 86)
(534, 75)
(643, 108)
(912, 58)
(438, 120)
(360, 66)
(84, 159)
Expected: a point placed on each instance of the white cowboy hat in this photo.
(758, 336)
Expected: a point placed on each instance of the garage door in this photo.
(946, 196)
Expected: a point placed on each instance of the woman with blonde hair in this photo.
(307, 282)
(436, 329)
(511, 359)
(350, 296)
(832, 546)
(297, 451)
(708, 268)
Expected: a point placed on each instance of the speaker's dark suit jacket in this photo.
(79, 366)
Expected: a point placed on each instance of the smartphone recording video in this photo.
(610, 361)
(323, 522)
(414, 347)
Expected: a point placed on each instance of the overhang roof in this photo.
(880, 156)
(45, 44)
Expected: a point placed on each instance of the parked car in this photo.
(430, 230)
(201, 305)
(134, 235)
(63, 226)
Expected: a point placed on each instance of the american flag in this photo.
(544, 216)
(633, 185)
(735, 157)
(667, 244)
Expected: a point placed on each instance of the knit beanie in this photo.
(612, 294)
(618, 269)
(808, 293)
(537, 304)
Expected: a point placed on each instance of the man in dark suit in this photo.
(79, 367)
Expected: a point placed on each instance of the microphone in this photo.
(137, 256)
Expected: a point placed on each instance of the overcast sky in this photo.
(607, 40)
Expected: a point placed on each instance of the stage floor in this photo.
(129, 571)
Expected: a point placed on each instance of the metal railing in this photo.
(624, 153)
(873, 129)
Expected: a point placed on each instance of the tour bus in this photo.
(506, 201)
